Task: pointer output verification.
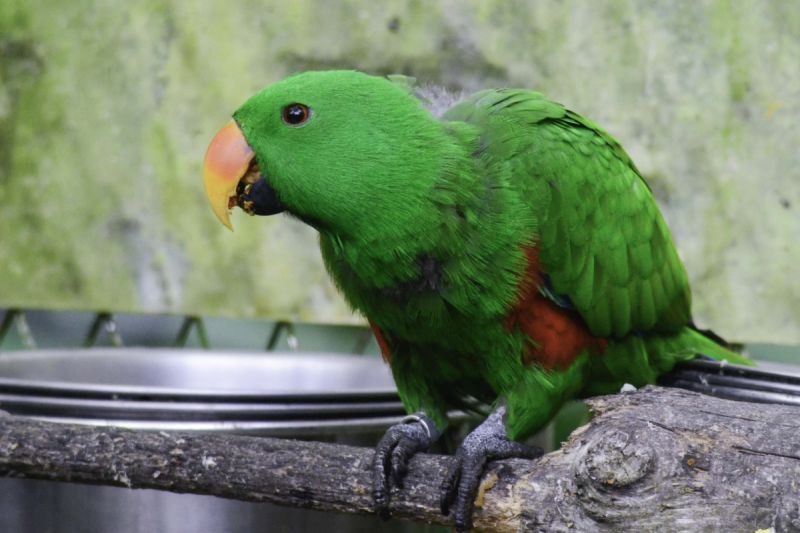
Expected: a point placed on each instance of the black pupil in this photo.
(295, 114)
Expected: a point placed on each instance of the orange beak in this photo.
(227, 160)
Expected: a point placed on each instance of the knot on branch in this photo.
(617, 461)
(615, 473)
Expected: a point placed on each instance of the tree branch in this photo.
(655, 459)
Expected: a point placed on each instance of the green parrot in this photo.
(505, 250)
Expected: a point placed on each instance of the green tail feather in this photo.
(667, 350)
(639, 360)
(708, 347)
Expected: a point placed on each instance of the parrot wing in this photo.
(603, 243)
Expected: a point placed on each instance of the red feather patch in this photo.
(382, 344)
(558, 335)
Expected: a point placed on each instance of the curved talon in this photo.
(400, 457)
(450, 484)
(395, 449)
(486, 443)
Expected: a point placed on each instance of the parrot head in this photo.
(340, 150)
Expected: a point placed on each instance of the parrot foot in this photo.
(415, 433)
(486, 443)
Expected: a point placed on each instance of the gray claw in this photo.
(486, 443)
(399, 444)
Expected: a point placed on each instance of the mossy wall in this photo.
(106, 109)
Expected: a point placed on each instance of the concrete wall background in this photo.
(106, 109)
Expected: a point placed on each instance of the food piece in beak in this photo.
(254, 195)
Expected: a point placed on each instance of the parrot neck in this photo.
(449, 255)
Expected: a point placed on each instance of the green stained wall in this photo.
(106, 109)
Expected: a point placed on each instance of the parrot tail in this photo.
(707, 343)
(718, 371)
(709, 334)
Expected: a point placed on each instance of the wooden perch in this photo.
(651, 460)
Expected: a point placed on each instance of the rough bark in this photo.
(651, 460)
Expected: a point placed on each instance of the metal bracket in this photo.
(17, 317)
(103, 321)
(291, 337)
(190, 322)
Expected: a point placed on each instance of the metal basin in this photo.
(173, 371)
(341, 398)
(267, 393)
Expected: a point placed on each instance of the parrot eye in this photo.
(295, 114)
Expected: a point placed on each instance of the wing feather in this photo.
(602, 240)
